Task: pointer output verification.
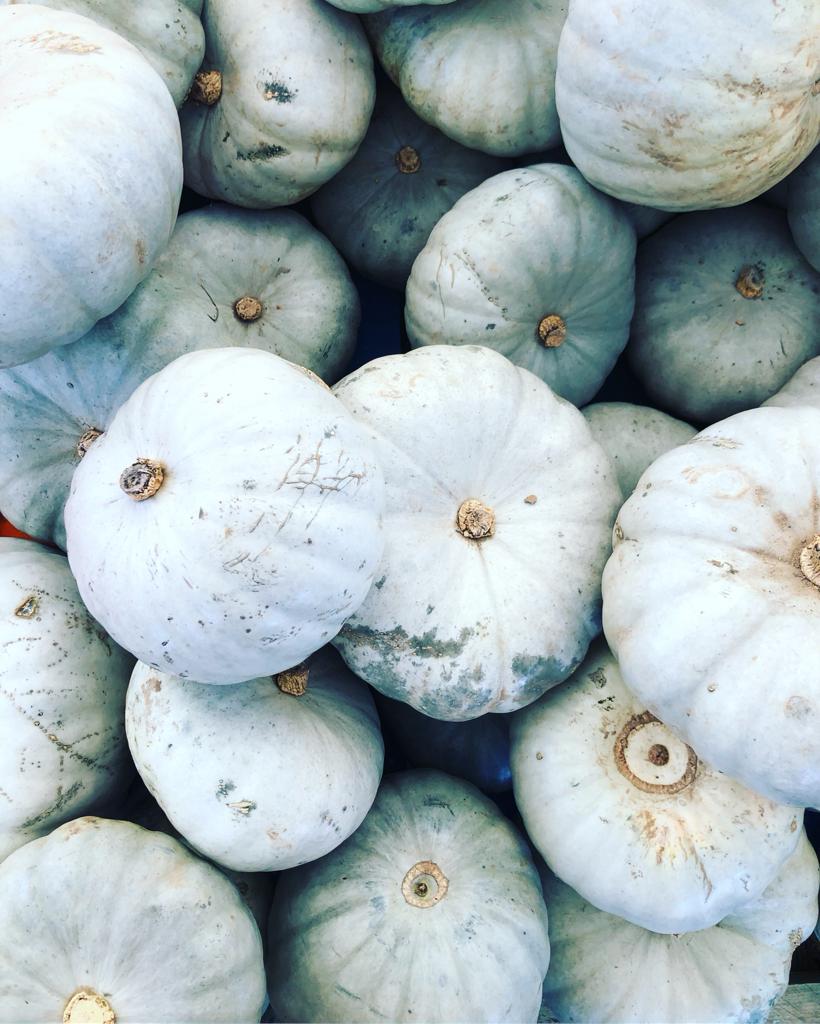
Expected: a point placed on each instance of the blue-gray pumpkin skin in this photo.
(804, 208)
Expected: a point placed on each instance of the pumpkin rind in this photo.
(265, 534)
(254, 778)
(688, 107)
(628, 815)
(130, 915)
(369, 6)
(802, 389)
(803, 205)
(91, 196)
(473, 948)
(712, 616)
(484, 615)
(533, 263)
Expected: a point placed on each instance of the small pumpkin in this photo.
(536, 264)
(62, 741)
(281, 102)
(481, 71)
(802, 389)
(712, 598)
(627, 813)
(436, 880)
(90, 198)
(497, 524)
(726, 309)
(605, 969)
(803, 205)
(713, 123)
(262, 775)
(215, 540)
(105, 921)
(262, 279)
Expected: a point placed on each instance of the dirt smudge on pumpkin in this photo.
(267, 152)
(273, 90)
(139, 248)
(61, 42)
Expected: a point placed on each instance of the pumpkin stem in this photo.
(652, 758)
(552, 331)
(86, 440)
(750, 281)
(475, 520)
(810, 561)
(88, 1007)
(142, 479)
(424, 885)
(408, 160)
(206, 88)
(248, 309)
(293, 680)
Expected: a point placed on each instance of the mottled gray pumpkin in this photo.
(537, 265)
(802, 389)
(803, 204)
(281, 102)
(689, 106)
(726, 309)
(265, 280)
(168, 33)
(431, 911)
(380, 209)
(482, 71)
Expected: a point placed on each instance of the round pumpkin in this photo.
(104, 921)
(714, 122)
(633, 436)
(803, 205)
(281, 102)
(802, 389)
(168, 33)
(726, 309)
(62, 740)
(228, 521)
(381, 207)
(481, 71)
(627, 813)
(262, 775)
(536, 264)
(90, 198)
(497, 524)
(262, 279)
(712, 598)
(605, 969)
(435, 881)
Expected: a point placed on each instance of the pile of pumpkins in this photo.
(331, 626)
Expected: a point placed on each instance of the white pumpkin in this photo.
(536, 264)
(90, 197)
(369, 6)
(255, 776)
(265, 279)
(281, 103)
(629, 815)
(228, 521)
(168, 33)
(63, 682)
(802, 389)
(712, 598)
(633, 436)
(689, 106)
(604, 969)
(481, 71)
(431, 911)
(497, 524)
(104, 921)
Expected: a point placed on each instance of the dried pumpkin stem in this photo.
(206, 88)
(424, 885)
(810, 561)
(552, 331)
(750, 282)
(142, 479)
(88, 1007)
(293, 680)
(408, 160)
(248, 309)
(86, 440)
(475, 520)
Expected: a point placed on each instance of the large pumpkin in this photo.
(726, 309)
(262, 775)
(431, 911)
(228, 521)
(281, 103)
(262, 279)
(497, 525)
(536, 264)
(689, 106)
(168, 33)
(802, 389)
(608, 970)
(627, 814)
(104, 921)
(63, 682)
(712, 598)
(90, 197)
(803, 204)
(481, 71)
